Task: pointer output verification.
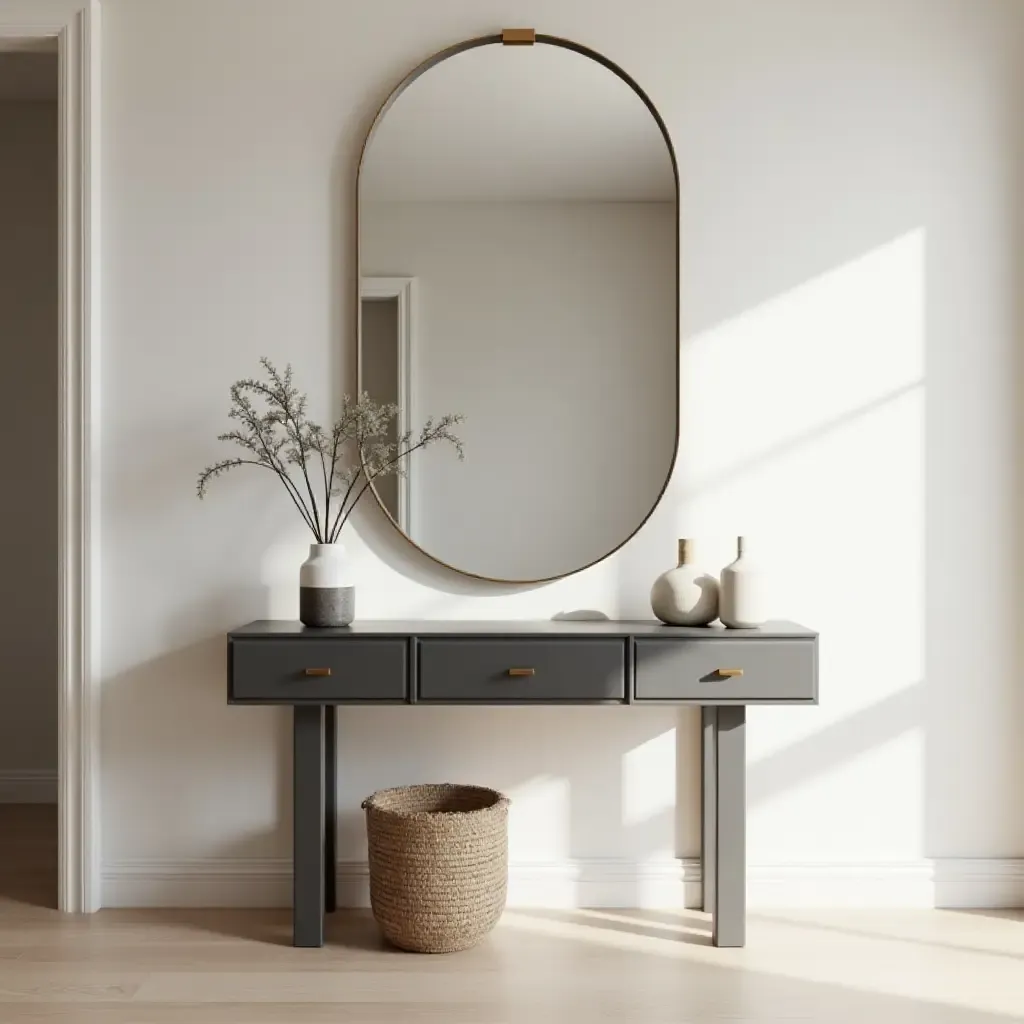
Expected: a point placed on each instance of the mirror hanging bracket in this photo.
(518, 36)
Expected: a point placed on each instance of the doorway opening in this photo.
(74, 36)
(387, 316)
(29, 349)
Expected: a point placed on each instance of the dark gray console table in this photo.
(720, 670)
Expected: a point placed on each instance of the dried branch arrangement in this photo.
(324, 471)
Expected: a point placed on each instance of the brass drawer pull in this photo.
(522, 671)
(730, 672)
(318, 671)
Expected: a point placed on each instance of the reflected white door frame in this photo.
(402, 289)
(71, 29)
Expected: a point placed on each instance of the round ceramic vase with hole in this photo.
(685, 595)
(327, 597)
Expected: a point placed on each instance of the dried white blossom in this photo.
(277, 435)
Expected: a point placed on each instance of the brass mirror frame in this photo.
(514, 37)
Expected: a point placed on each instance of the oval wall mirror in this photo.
(518, 262)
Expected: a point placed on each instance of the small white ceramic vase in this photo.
(326, 594)
(686, 595)
(742, 596)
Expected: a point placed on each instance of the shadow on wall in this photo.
(174, 801)
(836, 745)
(594, 789)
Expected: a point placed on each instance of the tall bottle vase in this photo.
(742, 591)
(327, 596)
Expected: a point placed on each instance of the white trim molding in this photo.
(659, 884)
(217, 882)
(28, 786)
(924, 883)
(76, 35)
(965, 882)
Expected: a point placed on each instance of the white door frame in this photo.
(74, 28)
(404, 290)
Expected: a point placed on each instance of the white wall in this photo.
(850, 264)
(551, 326)
(28, 508)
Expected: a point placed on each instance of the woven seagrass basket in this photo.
(438, 864)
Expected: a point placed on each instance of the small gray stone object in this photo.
(327, 606)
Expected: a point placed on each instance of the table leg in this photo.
(330, 806)
(730, 898)
(308, 825)
(708, 824)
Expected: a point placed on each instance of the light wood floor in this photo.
(540, 967)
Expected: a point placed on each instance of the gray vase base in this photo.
(323, 607)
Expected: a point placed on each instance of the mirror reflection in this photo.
(517, 248)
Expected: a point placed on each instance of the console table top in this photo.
(648, 628)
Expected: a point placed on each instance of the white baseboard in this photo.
(592, 883)
(944, 882)
(267, 883)
(972, 882)
(27, 786)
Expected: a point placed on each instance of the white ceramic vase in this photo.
(742, 591)
(686, 595)
(327, 596)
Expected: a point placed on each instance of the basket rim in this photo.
(370, 803)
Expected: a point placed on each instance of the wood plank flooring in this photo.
(540, 967)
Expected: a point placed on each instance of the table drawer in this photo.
(754, 671)
(308, 670)
(525, 671)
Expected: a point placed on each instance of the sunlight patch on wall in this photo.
(803, 426)
(803, 429)
(793, 366)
